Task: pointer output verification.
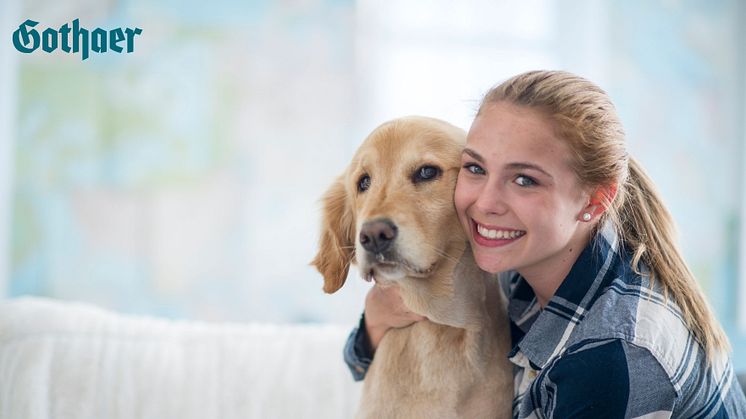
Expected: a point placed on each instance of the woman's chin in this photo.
(488, 263)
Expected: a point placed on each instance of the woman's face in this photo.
(517, 198)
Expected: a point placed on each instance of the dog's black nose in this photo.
(376, 236)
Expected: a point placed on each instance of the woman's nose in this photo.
(491, 200)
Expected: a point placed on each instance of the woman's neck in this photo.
(547, 276)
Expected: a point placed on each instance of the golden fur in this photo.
(454, 364)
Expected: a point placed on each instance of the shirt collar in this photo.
(541, 334)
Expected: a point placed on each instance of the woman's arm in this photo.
(384, 310)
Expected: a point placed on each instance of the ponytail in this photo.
(648, 231)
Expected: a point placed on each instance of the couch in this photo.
(71, 360)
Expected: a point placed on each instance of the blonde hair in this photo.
(587, 120)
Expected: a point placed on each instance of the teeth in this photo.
(499, 234)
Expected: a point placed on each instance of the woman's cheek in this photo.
(461, 196)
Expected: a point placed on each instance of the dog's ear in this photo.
(336, 244)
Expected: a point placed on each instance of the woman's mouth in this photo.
(495, 236)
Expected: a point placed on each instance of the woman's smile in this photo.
(492, 236)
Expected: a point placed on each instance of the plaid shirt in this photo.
(607, 345)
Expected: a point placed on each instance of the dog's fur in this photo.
(454, 364)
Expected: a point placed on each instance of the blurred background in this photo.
(183, 179)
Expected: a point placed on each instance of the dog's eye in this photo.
(363, 183)
(426, 173)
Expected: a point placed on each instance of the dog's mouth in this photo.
(382, 268)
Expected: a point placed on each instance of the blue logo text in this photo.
(27, 39)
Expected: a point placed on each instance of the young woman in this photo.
(606, 318)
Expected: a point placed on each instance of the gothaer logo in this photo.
(74, 39)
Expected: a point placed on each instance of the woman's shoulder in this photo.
(639, 313)
(641, 378)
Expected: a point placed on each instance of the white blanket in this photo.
(67, 360)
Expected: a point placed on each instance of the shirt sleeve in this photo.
(610, 379)
(358, 352)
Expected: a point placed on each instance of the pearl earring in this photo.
(586, 216)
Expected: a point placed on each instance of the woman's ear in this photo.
(600, 200)
(336, 244)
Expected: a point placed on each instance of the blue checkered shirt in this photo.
(607, 345)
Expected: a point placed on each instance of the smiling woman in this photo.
(599, 294)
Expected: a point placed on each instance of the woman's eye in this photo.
(522, 180)
(474, 168)
(426, 173)
(363, 183)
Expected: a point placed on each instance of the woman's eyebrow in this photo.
(474, 155)
(513, 166)
(529, 166)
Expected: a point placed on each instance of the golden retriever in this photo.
(392, 214)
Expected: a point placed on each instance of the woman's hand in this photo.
(384, 310)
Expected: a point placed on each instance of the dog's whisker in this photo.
(349, 261)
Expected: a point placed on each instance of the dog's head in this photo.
(392, 212)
